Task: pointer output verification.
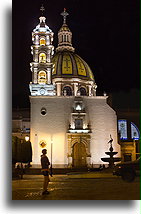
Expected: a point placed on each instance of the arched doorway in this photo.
(79, 155)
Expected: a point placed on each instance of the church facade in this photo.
(67, 117)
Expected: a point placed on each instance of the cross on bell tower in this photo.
(42, 9)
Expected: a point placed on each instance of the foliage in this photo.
(21, 150)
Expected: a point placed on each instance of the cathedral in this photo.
(67, 117)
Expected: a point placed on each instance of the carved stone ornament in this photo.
(42, 143)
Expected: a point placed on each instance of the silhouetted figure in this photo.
(45, 170)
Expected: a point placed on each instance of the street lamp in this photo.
(21, 160)
(26, 138)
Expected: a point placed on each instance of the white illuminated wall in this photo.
(54, 125)
(103, 122)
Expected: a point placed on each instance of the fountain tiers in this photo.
(111, 159)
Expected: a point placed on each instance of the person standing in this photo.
(45, 170)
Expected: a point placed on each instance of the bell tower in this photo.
(42, 66)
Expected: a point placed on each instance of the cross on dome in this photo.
(64, 14)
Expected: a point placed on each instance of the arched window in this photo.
(135, 133)
(42, 41)
(67, 90)
(42, 77)
(42, 57)
(83, 91)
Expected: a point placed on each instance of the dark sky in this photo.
(105, 35)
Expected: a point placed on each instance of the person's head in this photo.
(44, 151)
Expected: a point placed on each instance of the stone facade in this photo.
(67, 118)
(53, 127)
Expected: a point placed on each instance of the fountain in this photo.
(111, 159)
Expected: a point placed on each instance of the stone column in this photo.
(35, 79)
(75, 89)
(90, 93)
(58, 89)
(69, 161)
(36, 56)
(48, 75)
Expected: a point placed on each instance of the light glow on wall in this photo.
(79, 131)
(78, 107)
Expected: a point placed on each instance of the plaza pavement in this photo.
(76, 186)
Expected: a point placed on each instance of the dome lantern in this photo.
(64, 35)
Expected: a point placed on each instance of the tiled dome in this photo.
(67, 64)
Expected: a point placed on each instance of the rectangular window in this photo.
(127, 157)
(78, 124)
(42, 42)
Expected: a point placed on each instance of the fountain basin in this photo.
(111, 153)
(109, 159)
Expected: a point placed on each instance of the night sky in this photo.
(105, 35)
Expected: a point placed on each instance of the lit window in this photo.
(78, 107)
(42, 57)
(122, 128)
(42, 41)
(42, 77)
(135, 134)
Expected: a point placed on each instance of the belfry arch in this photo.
(42, 77)
(42, 58)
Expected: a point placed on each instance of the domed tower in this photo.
(41, 67)
(71, 74)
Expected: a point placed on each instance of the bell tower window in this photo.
(42, 41)
(42, 77)
(42, 58)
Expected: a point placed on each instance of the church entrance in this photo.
(79, 155)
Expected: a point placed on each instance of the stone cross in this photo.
(42, 9)
(64, 14)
